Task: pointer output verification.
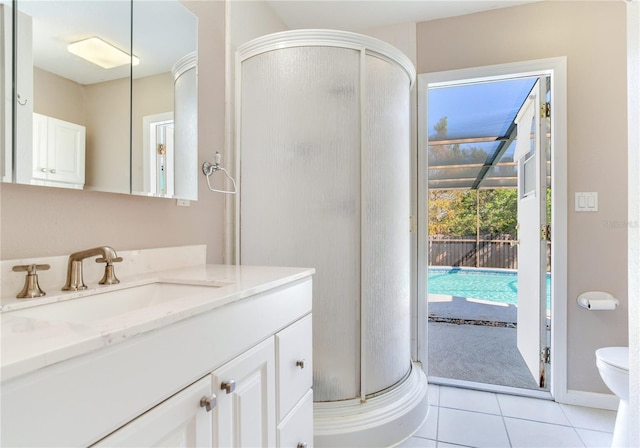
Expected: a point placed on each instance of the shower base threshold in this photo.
(384, 420)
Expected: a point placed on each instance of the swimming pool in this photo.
(495, 285)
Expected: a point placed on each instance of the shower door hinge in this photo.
(545, 232)
(545, 110)
(412, 224)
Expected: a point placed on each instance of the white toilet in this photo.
(613, 364)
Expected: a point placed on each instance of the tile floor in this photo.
(470, 418)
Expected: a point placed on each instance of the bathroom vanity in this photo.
(195, 356)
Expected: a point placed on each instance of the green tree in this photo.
(453, 212)
(498, 211)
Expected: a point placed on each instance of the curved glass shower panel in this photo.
(300, 191)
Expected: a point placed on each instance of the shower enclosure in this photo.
(323, 146)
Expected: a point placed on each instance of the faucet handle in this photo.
(31, 268)
(109, 277)
(31, 287)
(108, 260)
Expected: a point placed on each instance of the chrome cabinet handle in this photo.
(44, 170)
(209, 402)
(53, 171)
(300, 363)
(228, 386)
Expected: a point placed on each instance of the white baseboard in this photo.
(590, 399)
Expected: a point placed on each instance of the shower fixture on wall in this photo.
(209, 168)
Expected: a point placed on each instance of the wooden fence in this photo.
(490, 251)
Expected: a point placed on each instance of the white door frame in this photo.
(557, 69)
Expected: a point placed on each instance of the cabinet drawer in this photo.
(294, 347)
(296, 430)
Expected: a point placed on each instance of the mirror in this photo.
(164, 154)
(82, 125)
(6, 95)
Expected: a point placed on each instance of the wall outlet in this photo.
(183, 203)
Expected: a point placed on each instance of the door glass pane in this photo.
(529, 172)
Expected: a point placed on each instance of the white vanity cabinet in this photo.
(244, 394)
(58, 151)
(151, 389)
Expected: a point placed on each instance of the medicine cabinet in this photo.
(139, 113)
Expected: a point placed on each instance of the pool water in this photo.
(495, 285)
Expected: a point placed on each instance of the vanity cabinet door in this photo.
(180, 421)
(245, 387)
(66, 151)
(58, 150)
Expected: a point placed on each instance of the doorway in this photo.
(484, 167)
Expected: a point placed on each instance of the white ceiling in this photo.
(360, 15)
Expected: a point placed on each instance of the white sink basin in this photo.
(108, 304)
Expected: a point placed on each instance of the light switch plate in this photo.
(586, 201)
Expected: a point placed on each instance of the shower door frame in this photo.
(556, 68)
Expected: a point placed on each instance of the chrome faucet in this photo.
(75, 280)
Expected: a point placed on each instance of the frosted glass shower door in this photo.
(300, 191)
(386, 348)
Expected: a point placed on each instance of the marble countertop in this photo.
(30, 343)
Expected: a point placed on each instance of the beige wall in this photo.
(58, 97)
(38, 221)
(592, 37)
(152, 95)
(108, 142)
(249, 20)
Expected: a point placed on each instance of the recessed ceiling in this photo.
(360, 15)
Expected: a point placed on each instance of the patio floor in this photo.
(485, 353)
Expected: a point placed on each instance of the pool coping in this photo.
(465, 308)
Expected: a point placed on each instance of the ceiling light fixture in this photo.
(101, 53)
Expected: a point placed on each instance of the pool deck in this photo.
(480, 352)
(454, 307)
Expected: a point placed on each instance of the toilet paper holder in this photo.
(597, 301)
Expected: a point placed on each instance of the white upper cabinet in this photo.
(58, 152)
